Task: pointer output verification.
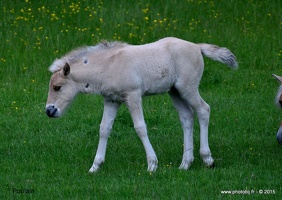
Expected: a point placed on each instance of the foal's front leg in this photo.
(110, 111)
(134, 104)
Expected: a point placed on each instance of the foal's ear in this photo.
(279, 78)
(66, 69)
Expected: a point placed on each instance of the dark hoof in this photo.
(211, 166)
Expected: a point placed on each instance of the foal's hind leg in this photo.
(186, 116)
(110, 111)
(202, 109)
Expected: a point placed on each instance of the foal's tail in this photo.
(220, 54)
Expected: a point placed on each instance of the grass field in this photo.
(43, 158)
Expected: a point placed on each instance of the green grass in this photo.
(52, 157)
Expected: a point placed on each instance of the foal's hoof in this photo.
(152, 165)
(92, 171)
(185, 165)
(208, 160)
(94, 168)
(212, 166)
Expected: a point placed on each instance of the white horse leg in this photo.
(186, 116)
(279, 134)
(204, 115)
(203, 112)
(110, 111)
(202, 109)
(134, 104)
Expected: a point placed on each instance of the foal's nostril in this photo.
(51, 111)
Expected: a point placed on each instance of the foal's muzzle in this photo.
(51, 111)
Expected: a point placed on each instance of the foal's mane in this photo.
(80, 52)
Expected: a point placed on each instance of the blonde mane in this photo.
(80, 52)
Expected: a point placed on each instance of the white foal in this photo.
(123, 73)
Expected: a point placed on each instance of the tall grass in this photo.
(50, 158)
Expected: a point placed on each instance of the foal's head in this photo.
(62, 89)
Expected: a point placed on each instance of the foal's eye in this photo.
(56, 88)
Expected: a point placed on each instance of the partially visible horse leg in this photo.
(193, 98)
(134, 104)
(186, 116)
(110, 111)
(279, 134)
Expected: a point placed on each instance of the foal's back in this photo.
(155, 67)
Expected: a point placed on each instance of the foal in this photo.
(123, 73)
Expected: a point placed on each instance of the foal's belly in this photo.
(158, 86)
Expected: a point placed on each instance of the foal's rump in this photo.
(159, 65)
(188, 57)
(178, 48)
